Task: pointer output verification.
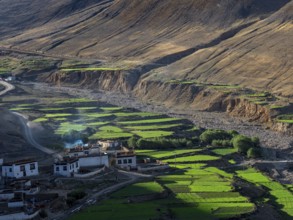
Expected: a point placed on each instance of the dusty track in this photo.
(8, 87)
(30, 138)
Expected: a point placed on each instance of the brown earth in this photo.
(243, 42)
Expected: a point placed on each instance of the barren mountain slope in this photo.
(17, 16)
(260, 57)
(243, 42)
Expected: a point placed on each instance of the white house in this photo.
(15, 203)
(83, 151)
(94, 160)
(109, 144)
(6, 195)
(126, 160)
(67, 167)
(19, 169)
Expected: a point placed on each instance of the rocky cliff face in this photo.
(114, 80)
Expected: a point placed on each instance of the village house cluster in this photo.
(21, 196)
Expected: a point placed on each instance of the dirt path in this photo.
(30, 138)
(8, 87)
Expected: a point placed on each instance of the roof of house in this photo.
(66, 161)
(19, 162)
(126, 154)
(94, 155)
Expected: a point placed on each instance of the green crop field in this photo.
(110, 109)
(195, 158)
(57, 115)
(139, 189)
(150, 121)
(183, 203)
(39, 120)
(91, 69)
(95, 115)
(129, 114)
(152, 127)
(224, 151)
(282, 196)
(67, 126)
(164, 154)
(85, 108)
(75, 100)
(110, 132)
(152, 134)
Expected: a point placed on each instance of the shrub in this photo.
(70, 201)
(43, 214)
(221, 143)
(256, 141)
(76, 194)
(209, 135)
(233, 133)
(242, 143)
(164, 143)
(132, 142)
(253, 153)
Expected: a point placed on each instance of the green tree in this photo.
(256, 141)
(253, 153)
(209, 135)
(132, 142)
(242, 143)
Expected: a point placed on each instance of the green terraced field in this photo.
(282, 196)
(183, 203)
(39, 120)
(75, 100)
(153, 134)
(110, 132)
(111, 108)
(163, 154)
(130, 114)
(195, 158)
(57, 115)
(150, 121)
(224, 151)
(91, 69)
(139, 189)
(67, 126)
(152, 127)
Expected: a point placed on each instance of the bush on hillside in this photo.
(242, 143)
(253, 153)
(221, 143)
(164, 143)
(209, 135)
(132, 142)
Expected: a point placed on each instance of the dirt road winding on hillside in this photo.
(30, 138)
(8, 87)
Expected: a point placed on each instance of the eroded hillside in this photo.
(244, 43)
